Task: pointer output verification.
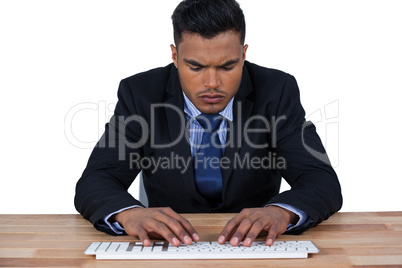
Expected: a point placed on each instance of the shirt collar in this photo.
(192, 111)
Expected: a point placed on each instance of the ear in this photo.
(245, 47)
(174, 54)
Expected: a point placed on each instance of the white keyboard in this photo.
(200, 250)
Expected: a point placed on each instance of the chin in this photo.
(212, 109)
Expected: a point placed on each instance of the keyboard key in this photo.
(113, 247)
(147, 249)
(123, 247)
(137, 249)
(91, 249)
(103, 247)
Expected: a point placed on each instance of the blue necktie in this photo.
(208, 174)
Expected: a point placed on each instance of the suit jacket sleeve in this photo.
(314, 184)
(102, 189)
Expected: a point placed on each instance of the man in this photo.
(162, 126)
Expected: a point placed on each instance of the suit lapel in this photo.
(175, 116)
(242, 108)
(176, 122)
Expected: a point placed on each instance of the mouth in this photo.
(211, 98)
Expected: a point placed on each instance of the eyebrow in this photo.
(227, 63)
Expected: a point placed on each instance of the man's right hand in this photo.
(162, 222)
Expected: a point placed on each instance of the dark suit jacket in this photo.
(284, 138)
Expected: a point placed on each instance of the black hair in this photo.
(208, 18)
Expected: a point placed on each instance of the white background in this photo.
(58, 57)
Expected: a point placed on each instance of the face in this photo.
(210, 70)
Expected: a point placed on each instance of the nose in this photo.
(212, 79)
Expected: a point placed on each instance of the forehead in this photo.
(222, 47)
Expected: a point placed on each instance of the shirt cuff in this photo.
(115, 226)
(302, 215)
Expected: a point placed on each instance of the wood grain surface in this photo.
(365, 239)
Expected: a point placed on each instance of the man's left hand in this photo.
(249, 223)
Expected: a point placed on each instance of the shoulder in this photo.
(270, 83)
(149, 86)
(259, 74)
(151, 77)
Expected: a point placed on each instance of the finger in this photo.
(241, 231)
(143, 236)
(185, 224)
(272, 235)
(176, 228)
(254, 231)
(170, 223)
(162, 229)
(154, 235)
(137, 230)
(230, 228)
(176, 224)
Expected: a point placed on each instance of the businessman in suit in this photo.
(211, 132)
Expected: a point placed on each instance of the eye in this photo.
(195, 69)
(227, 68)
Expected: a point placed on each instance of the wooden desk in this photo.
(346, 239)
